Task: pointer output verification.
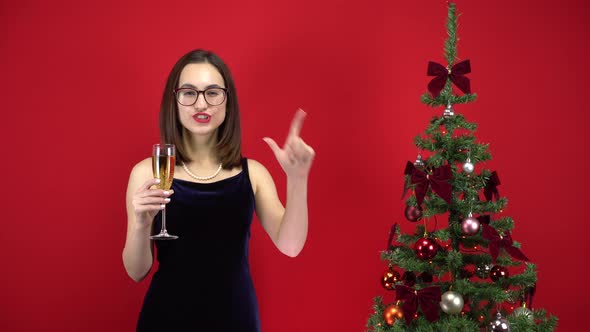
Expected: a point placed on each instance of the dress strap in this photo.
(245, 166)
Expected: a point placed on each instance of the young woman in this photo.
(203, 282)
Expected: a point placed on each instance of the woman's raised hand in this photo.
(295, 157)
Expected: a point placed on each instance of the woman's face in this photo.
(201, 118)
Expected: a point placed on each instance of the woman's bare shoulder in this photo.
(142, 170)
(256, 168)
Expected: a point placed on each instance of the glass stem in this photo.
(164, 220)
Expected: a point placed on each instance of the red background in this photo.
(80, 90)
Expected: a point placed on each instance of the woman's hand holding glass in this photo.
(148, 202)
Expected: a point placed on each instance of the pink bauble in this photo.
(470, 226)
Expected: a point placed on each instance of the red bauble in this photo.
(390, 277)
(426, 248)
(499, 272)
(392, 313)
(413, 213)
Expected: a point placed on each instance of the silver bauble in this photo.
(523, 311)
(419, 162)
(468, 167)
(470, 225)
(483, 270)
(451, 302)
(499, 324)
(449, 112)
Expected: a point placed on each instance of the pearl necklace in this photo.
(201, 178)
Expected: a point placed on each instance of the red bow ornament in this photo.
(456, 74)
(428, 299)
(491, 190)
(498, 241)
(437, 178)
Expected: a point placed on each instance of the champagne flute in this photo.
(163, 161)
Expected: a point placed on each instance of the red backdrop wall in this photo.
(80, 90)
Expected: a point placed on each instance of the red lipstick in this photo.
(202, 117)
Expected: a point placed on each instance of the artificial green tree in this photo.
(466, 274)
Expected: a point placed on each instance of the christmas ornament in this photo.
(465, 274)
(484, 219)
(389, 279)
(427, 298)
(455, 73)
(483, 270)
(449, 112)
(426, 277)
(499, 324)
(499, 272)
(409, 278)
(470, 225)
(419, 162)
(451, 302)
(529, 293)
(413, 213)
(491, 190)
(426, 248)
(391, 313)
(523, 311)
(498, 241)
(436, 178)
(468, 167)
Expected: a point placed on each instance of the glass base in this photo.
(164, 236)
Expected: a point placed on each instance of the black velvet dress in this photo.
(203, 282)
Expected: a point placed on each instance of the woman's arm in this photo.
(143, 204)
(287, 226)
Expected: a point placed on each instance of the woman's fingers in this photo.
(148, 184)
(297, 123)
(151, 200)
(150, 208)
(154, 200)
(273, 145)
(155, 193)
(299, 149)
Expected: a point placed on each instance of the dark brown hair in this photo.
(229, 139)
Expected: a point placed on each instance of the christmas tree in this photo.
(471, 275)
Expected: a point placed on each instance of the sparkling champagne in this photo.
(163, 167)
(163, 161)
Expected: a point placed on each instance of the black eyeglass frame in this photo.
(175, 91)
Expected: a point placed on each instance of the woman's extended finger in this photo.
(148, 184)
(297, 123)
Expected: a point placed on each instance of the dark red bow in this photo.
(407, 171)
(428, 299)
(484, 219)
(498, 241)
(528, 295)
(456, 74)
(437, 178)
(491, 190)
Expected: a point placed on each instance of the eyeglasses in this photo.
(189, 96)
